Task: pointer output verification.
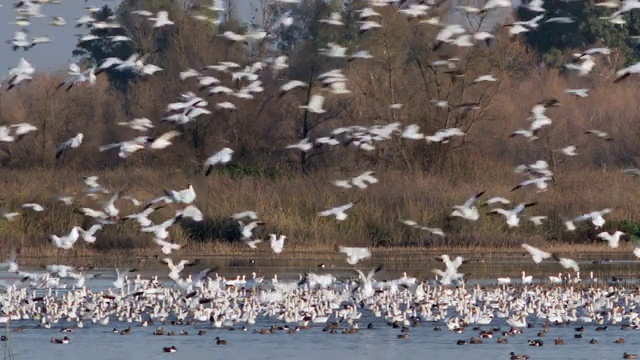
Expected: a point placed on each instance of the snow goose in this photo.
(355, 254)
(451, 265)
(487, 78)
(72, 143)
(89, 234)
(253, 243)
(161, 19)
(185, 196)
(612, 239)
(33, 206)
(17, 79)
(540, 167)
(5, 134)
(11, 264)
(578, 92)
(434, 231)
(468, 211)
(66, 242)
(176, 269)
(315, 104)
(560, 20)
(126, 148)
(497, 200)
(277, 244)
(59, 270)
(445, 35)
(451, 274)
(334, 19)
(22, 129)
(367, 12)
(164, 140)
(291, 85)
(160, 230)
(512, 216)
(599, 134)
(232, 36)
(279, 63)
(339, 212)
(566, 262)
(252, 215)
(166, 246)
(365, 283)
(138, 124)
(362, 54)
(626, 72)
(540, 182)
(597, 217)
(361, 181)
(585, 67)
(76, 76)
(536, 254)
(443, 135)
(222, 157)
(531, 135)
(535, 6)
(192, 212)
(189, 73)
(537, 220)
(92, 183)
(494, 4)
(110, 208)
(8, 215)
(412, 132)
(143, 217)
(632, 171)
(207, 82)
(367, 25)
(115, 39)
(415, 11)
(246, 230)
(569, 150)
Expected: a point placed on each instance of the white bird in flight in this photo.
(339, 212)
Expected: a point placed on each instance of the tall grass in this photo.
(289, 205)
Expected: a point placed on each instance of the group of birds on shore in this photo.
(201, 298)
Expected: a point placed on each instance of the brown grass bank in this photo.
(289, 205)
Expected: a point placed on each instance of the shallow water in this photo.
(486, 265)
(97, 342)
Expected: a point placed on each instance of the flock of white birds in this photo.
(200, 298)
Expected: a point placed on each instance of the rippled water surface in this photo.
(98, 342)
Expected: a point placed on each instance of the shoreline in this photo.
(140, 257)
